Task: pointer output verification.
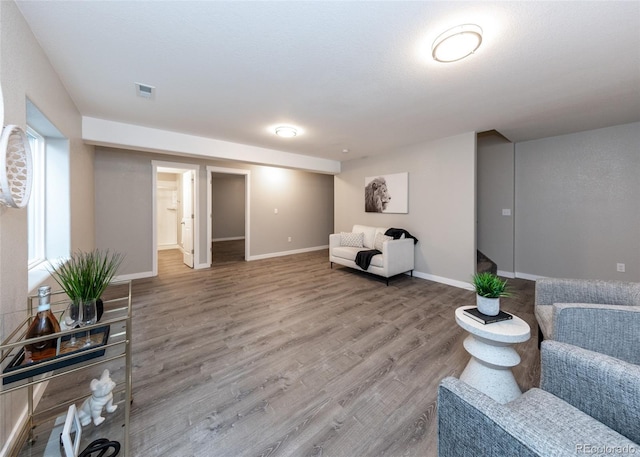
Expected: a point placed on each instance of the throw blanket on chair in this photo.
(363, 258)
(396, 233)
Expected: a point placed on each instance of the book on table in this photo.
(473, 313)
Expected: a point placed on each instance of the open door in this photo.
(187, 217)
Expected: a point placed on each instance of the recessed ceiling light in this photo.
(286, 131)
(457, 43)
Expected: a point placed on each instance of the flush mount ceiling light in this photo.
(457, 43)
(286, 131)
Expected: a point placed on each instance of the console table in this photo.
(492, 354)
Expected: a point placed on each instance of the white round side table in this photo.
(492, 354)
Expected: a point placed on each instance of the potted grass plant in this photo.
(489, 288)
(86, 275)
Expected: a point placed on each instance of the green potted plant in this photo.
(86, 275)
(489, 288)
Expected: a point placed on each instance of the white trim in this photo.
(178, 166)
(528, 276)
(201, 266)
(131, 276)
(118, 134)
(285, 253)
(443, 280)
(38, 391)
(166, 247)
(506, 274)
(247, 207)
(229, 238)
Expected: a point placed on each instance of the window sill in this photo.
(36, 276)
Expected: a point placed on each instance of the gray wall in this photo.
(442, 198)
(123, 198)
(124, 205)
(578, 204)
(496, 191)
(305, 209)
(228, 206)
(26, 71)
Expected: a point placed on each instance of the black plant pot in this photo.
(99, 308)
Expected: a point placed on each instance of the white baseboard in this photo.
(229, 238)
(166, 247)
(142, 274)
(283, 253)
(200, 266)
(528, 276)
(14, 434)
(443, 280)
(506, 274)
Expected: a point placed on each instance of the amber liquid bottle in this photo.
(44, 323)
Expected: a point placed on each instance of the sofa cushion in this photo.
(369, 234)
(559, 425)
(544, 316)
(349, 253)
(352, 239)
(380, 238)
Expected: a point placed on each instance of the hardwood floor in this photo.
(287, 357)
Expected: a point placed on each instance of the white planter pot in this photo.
(488, 306)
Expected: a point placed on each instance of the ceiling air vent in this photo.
(144, 90)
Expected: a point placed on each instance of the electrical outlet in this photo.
(506, 211)
(620, 267)
(289, 239)
(275, 210)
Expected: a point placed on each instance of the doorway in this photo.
(175, 215)
(228, 224)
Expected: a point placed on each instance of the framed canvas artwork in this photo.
(387, 193)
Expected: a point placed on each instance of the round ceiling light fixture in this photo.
(457, 43)
(285, 131)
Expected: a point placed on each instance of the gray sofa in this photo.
(603, 316)
(588, 403)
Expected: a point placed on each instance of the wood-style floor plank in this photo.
(288, 357)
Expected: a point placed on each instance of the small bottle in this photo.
(44, 323)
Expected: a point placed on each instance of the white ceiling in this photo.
(352, 74)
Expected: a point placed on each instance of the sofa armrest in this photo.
(608, 329)
(472, 424)
(553, 290)
(605, 388)
(398, 256)
(334, 241)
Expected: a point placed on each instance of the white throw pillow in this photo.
(353, 240)
(380, 238)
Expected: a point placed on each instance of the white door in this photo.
(187, 217)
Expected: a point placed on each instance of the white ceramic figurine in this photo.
(101, 398)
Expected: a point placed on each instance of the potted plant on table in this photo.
(85, 276)
(489, 288)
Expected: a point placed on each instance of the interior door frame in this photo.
(177, 167)
(247, 207)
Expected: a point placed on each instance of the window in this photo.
(36, 206)
(49, 209)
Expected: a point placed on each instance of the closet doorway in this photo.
(175, 215)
